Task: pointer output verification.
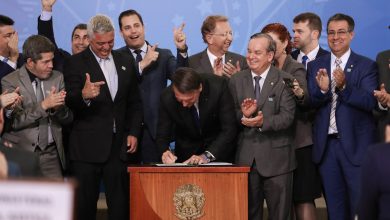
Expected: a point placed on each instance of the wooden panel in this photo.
(225, 192)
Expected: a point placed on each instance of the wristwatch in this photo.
(208, 156)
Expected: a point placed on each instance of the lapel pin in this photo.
(349, 70)
(272, 83)
(123, 68)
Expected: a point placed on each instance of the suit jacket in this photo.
(5, 69)
(321, 52)
(355, 123)
(375, 184)
(92, 132)
(45, 28)
(27, 162)
(383, 117)
(152, 82)
(302, 122)
(217, 122)
(25, 117)
(272, 146)
(201, 62)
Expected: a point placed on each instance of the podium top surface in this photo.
(187, 169)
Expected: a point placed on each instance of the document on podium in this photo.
(192, 165)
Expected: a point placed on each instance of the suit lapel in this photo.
(26, 82)
(269, 83)
(247, 84)
(351, 63)
(203, 102)
(205, 62)
(121, 71)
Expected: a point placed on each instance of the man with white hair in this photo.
(103, 95)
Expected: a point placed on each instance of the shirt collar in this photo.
(312, 54)
(100, 59)
(263, 74)
(344, 58)
(143, 49)
(212, 57)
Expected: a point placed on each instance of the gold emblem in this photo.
(189, 201)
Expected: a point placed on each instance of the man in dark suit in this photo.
(10, 58)
(79, 38)
(265, 107)
(218, 35)
(374, 199)
(103, 94)
(382, 112)
(341, 86)
(155, 66)
(197, 112)
(307, 32)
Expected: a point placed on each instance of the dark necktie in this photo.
(257, 88)
(195, 116)
(304, 60)
(5, 60)
(43, 122)
(138, 58)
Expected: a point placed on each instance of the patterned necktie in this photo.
(332, 123)
(218, 62)
(257, 88)
(43, 135)
(304, 60)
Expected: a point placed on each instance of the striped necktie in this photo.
(332, 123)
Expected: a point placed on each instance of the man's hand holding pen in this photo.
(168, 157)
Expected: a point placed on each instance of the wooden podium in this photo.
(202, 192)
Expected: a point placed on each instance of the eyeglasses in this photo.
(340, 33)
(223, 34)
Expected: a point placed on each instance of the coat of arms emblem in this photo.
(189, 201)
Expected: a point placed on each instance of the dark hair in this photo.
(5, 20)
(35, 45)
(271, 43)
(314, 21)
(282, 32)
(342, 17)
(209, 24)
(80, 26)
(186, 80)
(129, 13)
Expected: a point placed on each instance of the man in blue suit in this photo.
(155, 66)
(10, 58)
(341, 86)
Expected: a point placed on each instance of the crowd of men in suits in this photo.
(299, 119)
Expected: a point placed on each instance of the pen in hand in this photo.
(169, 157)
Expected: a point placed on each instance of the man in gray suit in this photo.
(265, 106)
(36, 121)
(218, 35)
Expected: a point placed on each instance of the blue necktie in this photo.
(138, 58)
(5, 60)
(304, 59)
